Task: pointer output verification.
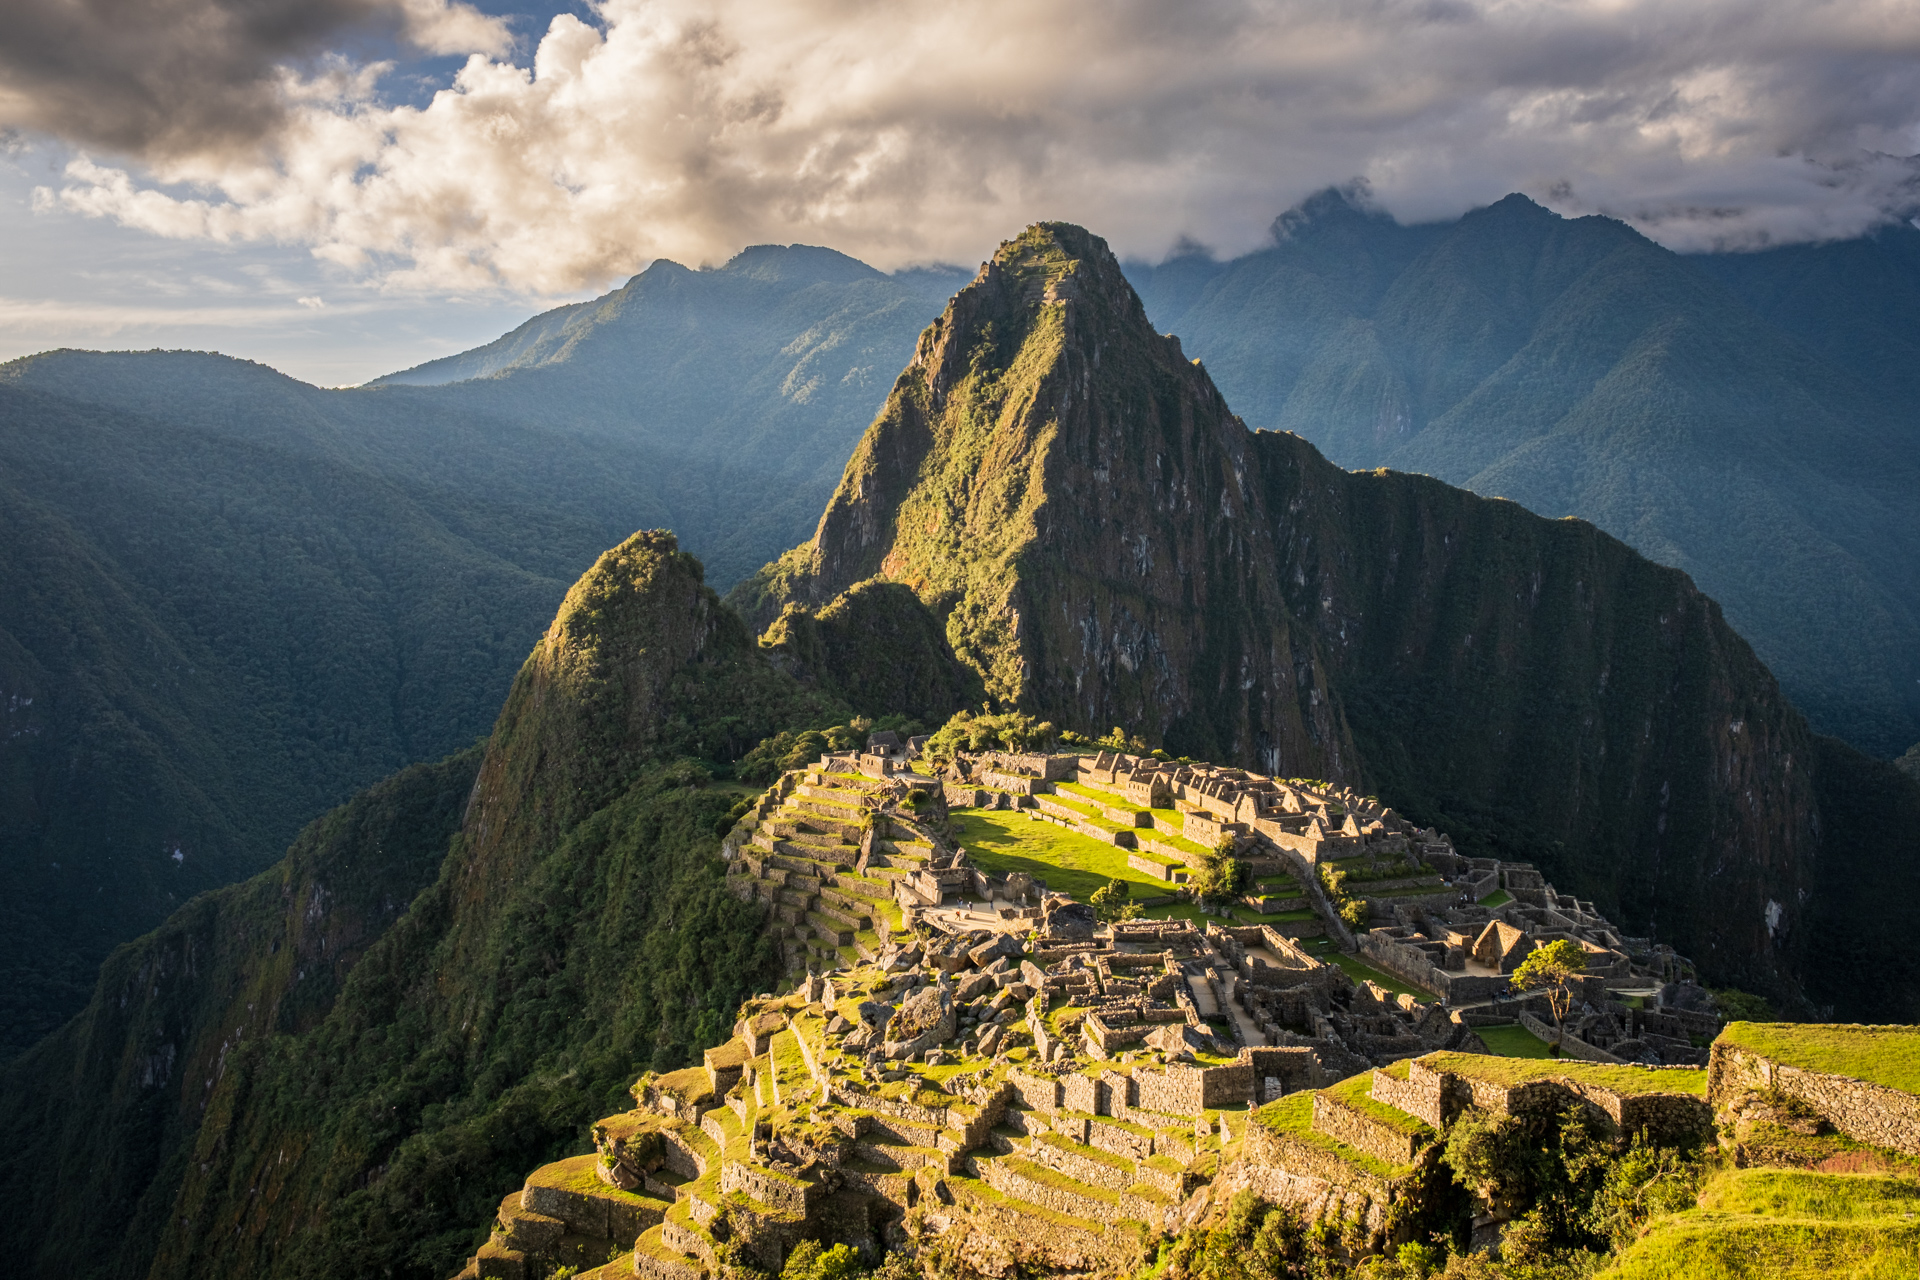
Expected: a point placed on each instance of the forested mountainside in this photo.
(1108, 544)
(1749, 418)
(1056, 495)
(228, 599)
(262, 1088)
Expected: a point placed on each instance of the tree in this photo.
(1111, 902)
(1220, 874)
(1552, 969)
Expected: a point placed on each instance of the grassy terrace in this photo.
(1512, 1042)
(1785, 1225)
(1512, 1071)
(1498, 898)
(1357, 1093)
(1293, 1116)
(1003, 840)
(1882, 1055)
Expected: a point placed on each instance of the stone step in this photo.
(1081, 1163)
(855, 918)
(1022, 1179)
(574, 1192)
(827, 928)
(1349, 1113)
(889, 1153)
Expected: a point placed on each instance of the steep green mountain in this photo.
(228, 599)
(204, 642)
(286, 1080)
(100, 1117)
(1106, 543)
(1751, 419)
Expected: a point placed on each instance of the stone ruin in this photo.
(973, 1052)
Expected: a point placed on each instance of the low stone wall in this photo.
(1363, 1132)
(1571, 1045)
(1409, 964)
(1863, 1111)
(789, 1195)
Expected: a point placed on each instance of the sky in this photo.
(341, 188)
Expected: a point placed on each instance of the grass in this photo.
(1498, 898)
(1000, 841)
(1357, 1092)
(1512, 1042)
(1513, 1071)
(1360, 971)
(1753, 1223)
(1293, 1116)
(1883, 1055)
(1177, 911)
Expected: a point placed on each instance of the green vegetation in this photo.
(1001, 840)
(1552, 969)
(1512, 1042)
(1882, 1055)
(1110, 902)
(1513, 1071)
(1498, 898)
(1752, 1224)
(1009, 732)
(1220, 875)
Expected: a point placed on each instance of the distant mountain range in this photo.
(1753, 419)
(228, 599)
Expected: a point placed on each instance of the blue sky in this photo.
(340, 188)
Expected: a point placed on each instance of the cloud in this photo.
(175, 79)
(909, 130)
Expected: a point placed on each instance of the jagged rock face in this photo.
(1107, 543)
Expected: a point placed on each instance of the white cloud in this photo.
(919, 129)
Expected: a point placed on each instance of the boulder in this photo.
(1000, 946)
(1065, 919)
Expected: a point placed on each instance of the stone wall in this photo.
(1363, 1133)
(1571, 1046)
(1863, 1111)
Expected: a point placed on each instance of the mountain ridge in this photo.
(1689, 405)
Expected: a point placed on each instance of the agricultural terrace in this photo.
(1888, 1056)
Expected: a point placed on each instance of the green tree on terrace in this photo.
(1110, 902)
(1220, 874)
(1011, 731)
(1553, 970)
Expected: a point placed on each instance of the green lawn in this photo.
(1498, 898)
(1003, 840)
(1621, 1079)
(1883, 1055)
(1513, 1042)
(1784, 1225)
(1359, 970)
